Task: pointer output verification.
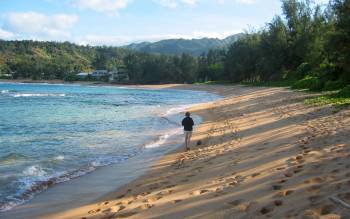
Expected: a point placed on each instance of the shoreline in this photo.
(262, 153)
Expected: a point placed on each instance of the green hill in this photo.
(178, 46)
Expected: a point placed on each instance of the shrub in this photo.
(303, 70)
(311, 83)
(328, 71)
(345, 92)
(333, 85)
(70, 77)
(287, 75)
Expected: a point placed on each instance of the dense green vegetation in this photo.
(310, 44)
(50, 60)
(308, 47)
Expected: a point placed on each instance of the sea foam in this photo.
(162, 139)
(38, 95)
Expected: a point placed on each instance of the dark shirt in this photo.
(188, 123)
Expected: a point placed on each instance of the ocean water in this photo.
(53, 133)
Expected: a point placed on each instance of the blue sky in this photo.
(119, 22)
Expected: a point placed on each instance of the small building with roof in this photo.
(119, 75)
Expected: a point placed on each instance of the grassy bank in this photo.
(328, 95)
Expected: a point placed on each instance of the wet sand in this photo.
(260, 153)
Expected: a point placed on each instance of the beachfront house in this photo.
(100, 74)
(82, 75)
(119, 75)
(6, 76)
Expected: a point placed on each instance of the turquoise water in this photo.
(53, 133)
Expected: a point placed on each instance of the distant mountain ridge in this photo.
(178, 46)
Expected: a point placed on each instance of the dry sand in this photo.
(260, 153)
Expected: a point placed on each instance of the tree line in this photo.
(308, 44)
(54, 60)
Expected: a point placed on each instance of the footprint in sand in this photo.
(115, 209)
(255, 175)
(300, 161)
(266, 209)
(288, 174)
(326, 209)
(306, 151)
(330, 216)
(143, 194)
(240, 205)
(310, 214)
(299, 157)
(244, 207)
(236, 202)
(338, 185)
(285, 192)
(170, 186)
(219, 189)
(176, 201)
(282, 181)
(199, 192)
(234, 183)
(314, 199)
(276, 187)
(184, 180)
(103, 203)
(278, 202)
(335, 171)
(297, 171)
(94, 211)
(145, 206)
(153, 198)
(129, 200)
(314, 188)
(166, 192)
(315, 180)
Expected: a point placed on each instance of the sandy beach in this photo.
(259, 153)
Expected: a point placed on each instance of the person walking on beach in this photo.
(188, 124)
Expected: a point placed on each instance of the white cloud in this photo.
(175, 3)
(6, 35)
(124, 40)
(220, 35)
(190, 2)
(37, 25)
(108, 6)
(247, 2)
